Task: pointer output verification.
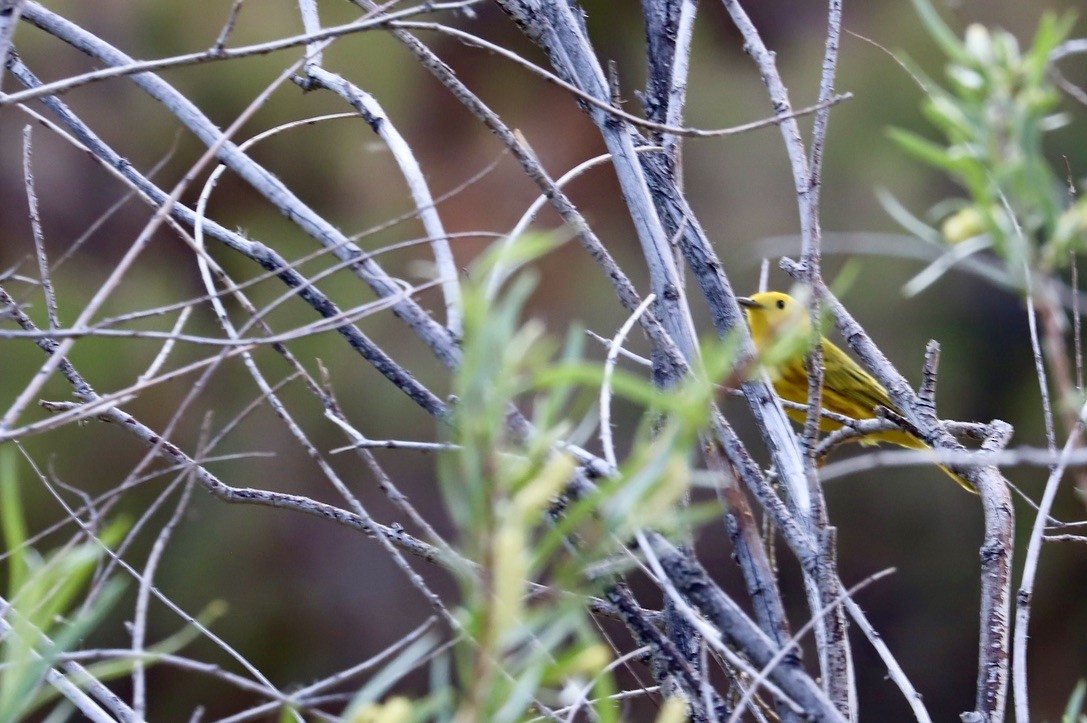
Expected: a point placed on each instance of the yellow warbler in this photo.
(847, 389)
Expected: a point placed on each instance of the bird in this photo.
(780, 328)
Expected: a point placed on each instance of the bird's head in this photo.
(772, 315)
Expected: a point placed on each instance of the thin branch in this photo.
(372, 112)
(605, 384)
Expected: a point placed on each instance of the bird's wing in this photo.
(848, 389)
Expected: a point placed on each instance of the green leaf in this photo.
(931, 153)
(1074, 708)
(941, 32)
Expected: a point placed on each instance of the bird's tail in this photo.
(906, 439)
(963, 482)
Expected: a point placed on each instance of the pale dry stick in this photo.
(44, 276)
(559, 31)
(1077, 323)
(677, 85)
(143, 596)
(894, 670)
(1065, 538)
(1024, 597)
(228, 26)
(404, 289)
(84, 703)
(804, 551)
(1071, 525)
(1054, 329)
(1039, 363)
(274, 265)
(1015, 457)
(615, 697)
(497, 276)
(1057, 360)
(625, 291)
(636, 358)
(812, 260)
(582, 695)
(606, 441)
(378, 120)
(345, 675)
(607, 106)
(841, 653)
(669, 664)
(168, 347)
(34, 11)
(780, 656)
(138, 190)
(189, 665)
(694, 583)
(133, 252)
(822, 117)
(764, 275)
(366, 443)
(311, 23)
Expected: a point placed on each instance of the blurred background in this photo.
(306, 598)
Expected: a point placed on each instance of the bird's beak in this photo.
(748, 302)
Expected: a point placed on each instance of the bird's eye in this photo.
(781, 303)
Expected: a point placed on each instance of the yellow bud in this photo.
(395, 710)
(674, 710)
(591, 660)
(510, 570)
(963, 225)
(545, 486)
